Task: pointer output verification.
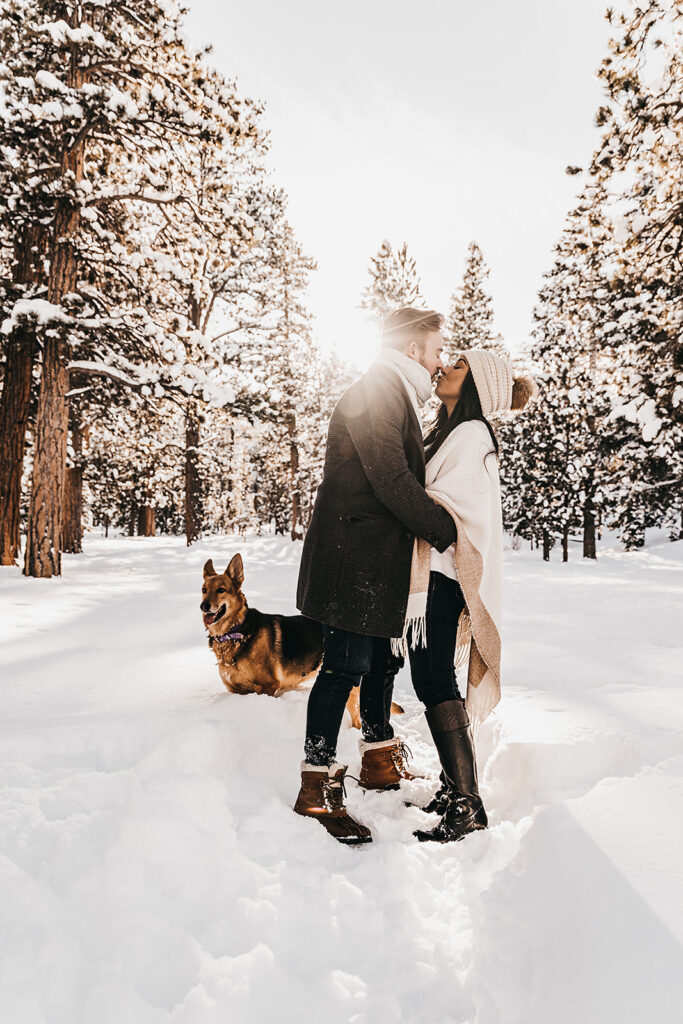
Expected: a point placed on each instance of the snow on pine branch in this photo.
(38, 311)
(99, 369)
(62, 34)
(160, 380)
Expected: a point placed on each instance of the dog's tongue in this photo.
(208, 618)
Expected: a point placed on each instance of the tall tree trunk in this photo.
(565, 543)
(16, 395)
(72, 512)
(146, 515)
(72, 536)
(589, 547)
(231, 449)
(146, 521)
(290, 420)
(193, 524)
(193, 511)
(52, 421)
(132, 518)
(14, 408)
(44, 536)
(546, 546)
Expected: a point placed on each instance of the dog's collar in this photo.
(235, 631)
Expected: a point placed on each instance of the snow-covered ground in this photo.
(151, 869)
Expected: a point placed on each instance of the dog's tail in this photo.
(396, 709)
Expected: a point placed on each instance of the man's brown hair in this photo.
(407, 324)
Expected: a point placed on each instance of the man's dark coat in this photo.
(355, 566)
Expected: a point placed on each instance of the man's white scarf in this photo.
(416, 378)
(462, 479)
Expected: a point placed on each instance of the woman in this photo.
(457, 594)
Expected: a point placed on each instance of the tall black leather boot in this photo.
(439, 802)
(449, 725)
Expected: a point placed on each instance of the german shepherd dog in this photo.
(257, 652)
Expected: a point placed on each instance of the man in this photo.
(355, 566)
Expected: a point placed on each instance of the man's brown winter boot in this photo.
(322, 796)
(383, 764)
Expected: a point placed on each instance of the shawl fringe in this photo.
(414, 635)
(463, 640)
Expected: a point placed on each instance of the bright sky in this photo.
(434, 123)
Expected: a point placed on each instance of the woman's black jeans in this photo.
(432, 666)
(350, 660)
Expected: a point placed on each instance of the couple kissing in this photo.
(403, 558)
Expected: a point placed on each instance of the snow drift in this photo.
(151, 869)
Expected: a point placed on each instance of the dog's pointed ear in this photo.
(236, 570)
(209, 569)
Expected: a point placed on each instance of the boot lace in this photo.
(334, 791)
(399, 755)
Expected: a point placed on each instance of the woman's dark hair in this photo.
(467, 408)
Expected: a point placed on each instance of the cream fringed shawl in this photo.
(465, 481)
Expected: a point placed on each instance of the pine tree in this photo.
(605, 442)
(133, 469)
(393, 283)
(298, 363)
(270, 364)
(288, 372)
(214, 284)
(163, 293)
(642, 146)
(20, 344)
(24, 242)
(470, 321)
(122, 96)
(568, 451)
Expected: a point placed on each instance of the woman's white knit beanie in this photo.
(493, 378)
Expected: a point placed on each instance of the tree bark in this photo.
(16, 395)
(146, 521)
(546, 546)
(193, 524)
(73, 508)
(589, 547)
(14, 409)
(72, 512)
(565, 544)
(296, 532)
(44, 535)
(52, 421)
(193, 511)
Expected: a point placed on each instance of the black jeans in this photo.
(432, 666)
(350, 660)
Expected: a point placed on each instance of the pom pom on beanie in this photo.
(524, 388)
